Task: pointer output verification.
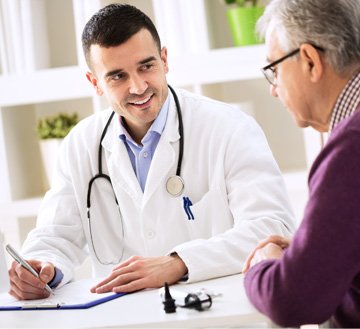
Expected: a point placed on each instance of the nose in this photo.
(273, 91)
(137, 85)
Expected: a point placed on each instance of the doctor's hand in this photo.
(270, 248)
(24, 285)
(138, 273)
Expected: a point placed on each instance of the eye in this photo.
(118, 76)
(146, 67)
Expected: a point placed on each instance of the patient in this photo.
(313, 47)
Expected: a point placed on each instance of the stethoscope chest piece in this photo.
(175, 185)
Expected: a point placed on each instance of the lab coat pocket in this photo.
(209, 216)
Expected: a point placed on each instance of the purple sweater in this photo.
(319, 275)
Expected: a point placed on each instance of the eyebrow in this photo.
(147, 60)
(118, 71)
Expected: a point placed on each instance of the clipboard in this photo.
(72, 296)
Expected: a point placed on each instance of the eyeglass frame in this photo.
(271, 65)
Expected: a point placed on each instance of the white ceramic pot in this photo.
(49, 149)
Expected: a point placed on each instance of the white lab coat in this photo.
(230, 176)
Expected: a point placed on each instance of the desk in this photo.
(144, 309)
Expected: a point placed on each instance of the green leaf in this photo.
(56, 126)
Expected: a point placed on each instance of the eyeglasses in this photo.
(270, 70)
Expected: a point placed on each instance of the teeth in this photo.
(142, 102)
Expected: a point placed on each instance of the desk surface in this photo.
(144, 309)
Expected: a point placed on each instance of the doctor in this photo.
(172, 186)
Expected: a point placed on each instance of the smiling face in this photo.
(132, 76)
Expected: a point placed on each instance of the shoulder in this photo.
(341, 154)
(346, 134)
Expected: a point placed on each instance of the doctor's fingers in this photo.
(116, 282)
(128, 262)
(134, 281)
(27, 292)
(47, 272)
(124, 267)
(23, 289)
(153, 272)
(136, 285)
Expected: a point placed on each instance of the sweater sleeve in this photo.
(314, 276)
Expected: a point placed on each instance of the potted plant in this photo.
(242, 16)
(51, 131)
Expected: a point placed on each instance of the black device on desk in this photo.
(199, 300)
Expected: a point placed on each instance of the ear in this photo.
(312, 62)
(94, 81)
(163, 55)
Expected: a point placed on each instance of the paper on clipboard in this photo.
(74, 295)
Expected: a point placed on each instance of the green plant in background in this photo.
(57, 126)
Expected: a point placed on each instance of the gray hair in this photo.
(333, 25)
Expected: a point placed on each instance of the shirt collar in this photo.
(157, 126)
(347, 102)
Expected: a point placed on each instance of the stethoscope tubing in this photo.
(176, 181)
(100, 173)
(181, 131)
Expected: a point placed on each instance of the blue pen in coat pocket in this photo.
(187, 204)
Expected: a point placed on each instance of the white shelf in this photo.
(218, 65)
(20, 208)
(44, 86)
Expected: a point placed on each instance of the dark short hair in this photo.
(114, 25)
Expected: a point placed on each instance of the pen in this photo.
(14, 254)
(187, 205)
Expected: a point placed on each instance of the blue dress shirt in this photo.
(141, 154)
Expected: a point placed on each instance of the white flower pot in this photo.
(49, 149)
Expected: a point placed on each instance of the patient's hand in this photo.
(270, 248)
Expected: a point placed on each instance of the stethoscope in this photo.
(174, 184)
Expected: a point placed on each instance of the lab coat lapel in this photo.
(119, 164)
(165, 156)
